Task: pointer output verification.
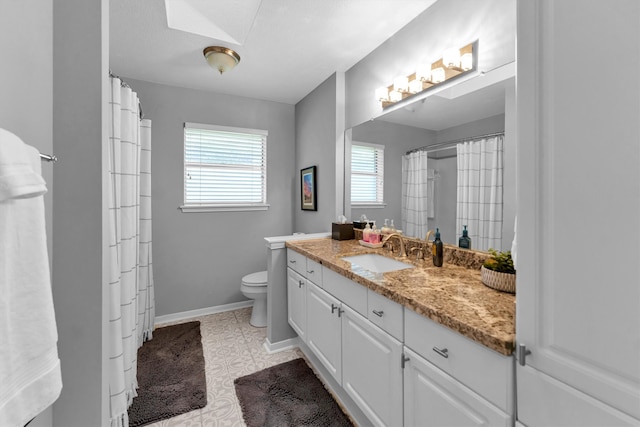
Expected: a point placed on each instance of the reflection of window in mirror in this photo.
(367, 174)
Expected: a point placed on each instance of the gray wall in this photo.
(199, 258)
(26, 91)
(80, 84)
(445, 24)
(43, 98)
(319, 131)
(397, 140)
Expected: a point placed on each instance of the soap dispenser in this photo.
(465, 240)
(437, 250)
(366, 233)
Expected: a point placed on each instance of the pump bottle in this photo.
(437, 249)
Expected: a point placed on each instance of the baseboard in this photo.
(186, 315)
(279, 346)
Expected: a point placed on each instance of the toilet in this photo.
(254, 286)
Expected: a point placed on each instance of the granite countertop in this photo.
(451, 295)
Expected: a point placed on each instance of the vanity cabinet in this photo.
(297, 303)
(371, 369)
(434, 398)
(324, 329)
(578, 311)
(300, 272)
(399, 367)
(455, 380)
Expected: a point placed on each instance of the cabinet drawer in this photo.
(297, 261)
(346, 290)
(386, 314)
(433, 398)
(485, 371)
(314, 272)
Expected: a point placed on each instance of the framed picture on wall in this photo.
(308, 189)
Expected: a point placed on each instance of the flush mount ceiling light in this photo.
(221, 58)
(454, 63)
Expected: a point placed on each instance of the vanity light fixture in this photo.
(454, 63)
(221, 58)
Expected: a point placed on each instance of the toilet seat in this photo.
(255, 279)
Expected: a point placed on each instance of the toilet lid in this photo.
(255, 279)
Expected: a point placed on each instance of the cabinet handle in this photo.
(378, 313)
(292, 261)
(522, 354)
(333, 308)
(340, 311)
(444, 352)
(310, 272)
(300, 283)
(404, 359)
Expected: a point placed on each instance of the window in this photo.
(367, 174)
(224, 168)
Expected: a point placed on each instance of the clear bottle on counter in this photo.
(385, 228)
(392, 227)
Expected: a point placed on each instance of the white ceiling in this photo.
(287, 47)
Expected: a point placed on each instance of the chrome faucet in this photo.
(403, 252)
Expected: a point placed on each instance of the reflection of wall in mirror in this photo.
(445, 205)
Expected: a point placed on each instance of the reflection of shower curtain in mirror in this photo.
(480, 169)
(417, 194)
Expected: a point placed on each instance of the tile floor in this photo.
(232, 348)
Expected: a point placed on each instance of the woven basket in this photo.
(504, 282)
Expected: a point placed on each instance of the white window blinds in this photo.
(224, 166)
(367, 173)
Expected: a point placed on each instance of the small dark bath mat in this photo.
(171, 377)
(288, 394)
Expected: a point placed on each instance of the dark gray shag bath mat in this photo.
(288, 394)
(171, 377)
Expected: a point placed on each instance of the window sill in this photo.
(223, 208)
(369, 205)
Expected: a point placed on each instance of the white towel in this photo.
(30, 378)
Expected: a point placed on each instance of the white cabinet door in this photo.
(371, 369)
(433, 398)
(578, 185)
(297, 303)
(323, 329)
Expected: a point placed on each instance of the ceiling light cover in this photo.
(221, 58)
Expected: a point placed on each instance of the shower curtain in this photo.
(479, 199)
(131, 293)
(417, 194)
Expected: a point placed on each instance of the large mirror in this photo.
(483, 106)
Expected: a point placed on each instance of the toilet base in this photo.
(259, 313)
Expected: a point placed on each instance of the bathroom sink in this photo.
(377, 263)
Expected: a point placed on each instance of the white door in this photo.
(578, 251)
(371, 369)
(433, 398)
(323, 329)
(297, 303)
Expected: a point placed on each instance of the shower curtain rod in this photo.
(449, 144)
(48, 157)
(125, 84)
